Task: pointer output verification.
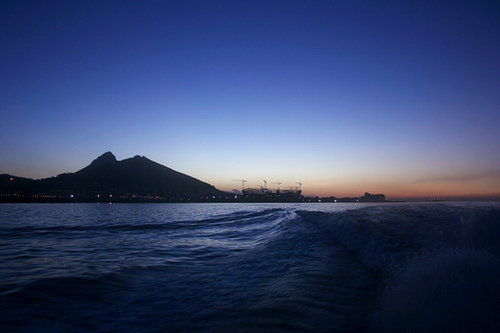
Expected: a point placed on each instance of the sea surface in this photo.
(398, 267)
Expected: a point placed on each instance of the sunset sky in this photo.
(394, 97)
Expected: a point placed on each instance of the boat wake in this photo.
(308, 268)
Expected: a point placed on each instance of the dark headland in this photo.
(135, 179)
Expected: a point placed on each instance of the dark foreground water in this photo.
(250, 267)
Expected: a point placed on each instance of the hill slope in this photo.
(133, 176)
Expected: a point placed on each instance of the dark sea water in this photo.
(250, 267)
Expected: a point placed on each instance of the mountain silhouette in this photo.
(136, 176)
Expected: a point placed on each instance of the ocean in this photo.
(323, 267)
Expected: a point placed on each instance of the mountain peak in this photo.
(137, 175)
(136, 178)
(105, 158)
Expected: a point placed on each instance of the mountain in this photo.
(132, 177)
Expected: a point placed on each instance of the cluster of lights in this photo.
(44, 196)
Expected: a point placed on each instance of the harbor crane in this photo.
(300, 185)
(279, 185)
(243, 181)
(265, 184)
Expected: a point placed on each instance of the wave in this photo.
(436, 268)
(141, 224)
(384, 268)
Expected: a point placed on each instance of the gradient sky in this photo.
(394, 97)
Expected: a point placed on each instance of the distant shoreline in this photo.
(219, 198)
(138, 179)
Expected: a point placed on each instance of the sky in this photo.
(345, 97)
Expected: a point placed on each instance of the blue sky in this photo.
(394, 97)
